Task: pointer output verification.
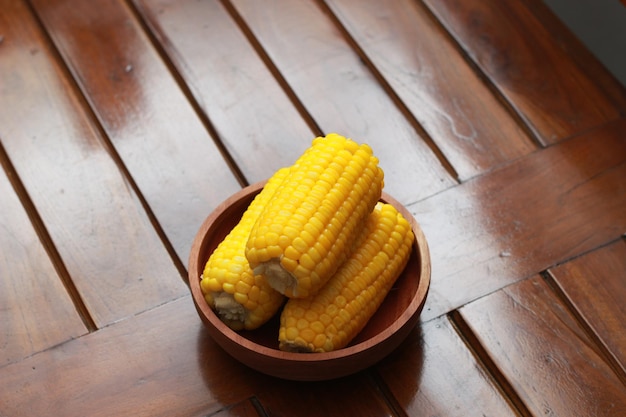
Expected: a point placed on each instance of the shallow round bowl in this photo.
(258, 349)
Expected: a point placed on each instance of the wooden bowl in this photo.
(258, 349)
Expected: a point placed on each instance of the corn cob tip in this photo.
(229, 311)
(276, 276)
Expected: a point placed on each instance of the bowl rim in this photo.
(414, 307)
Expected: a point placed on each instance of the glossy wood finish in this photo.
(254, 117)
(530, 363)
(93, 214)
(456, 384)
(124, 123)
(357, 108)
(545, 76)
(135, 99)
(38, 319)
(499, 228)
(440, 88)
(589, 283)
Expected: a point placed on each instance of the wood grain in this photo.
(253, 116)
(524, 218)
(595, 284)
(310, 399)
(537, 345)
(155, 130)
(99, 227)
(342, 95)
(122, 120)
(512, 44)
(443, 92)
(174, 368)
(37, 312)
(434, 374)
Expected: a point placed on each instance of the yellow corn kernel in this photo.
(241, 299)
(317, 212)
(338, 312)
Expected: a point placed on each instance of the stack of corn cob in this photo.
(318, 236)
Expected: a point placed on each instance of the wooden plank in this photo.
(159, 363)
(537, 346)
(253, 116)
(354, 395)
(595, 284)
(37, 312)
(469, 124)
(511, 42)
(142, 110)
(578, 51)
(106, 241)
(342, 95)
(162, 363)
(523, 218)
(433, 373)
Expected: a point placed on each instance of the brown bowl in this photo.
(258, 349)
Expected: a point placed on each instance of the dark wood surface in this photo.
(123, 124)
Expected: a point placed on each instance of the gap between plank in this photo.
(487, 364)
(387, 88)
(602, 350)
(151, 33)
(46, 241)
(254, 401)
(258, 407)
(517, 117)
(390, 399)
(258, 47)
(94, 120)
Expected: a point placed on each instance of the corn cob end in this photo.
(228, 310)
(277, 277)
(241, 299)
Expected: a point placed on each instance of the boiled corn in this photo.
(241, 299)
(306, 231)
(339, 311)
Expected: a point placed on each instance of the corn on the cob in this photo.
(306, 231)
(339, 311)
(241, 299)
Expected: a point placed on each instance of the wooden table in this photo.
(123, 124)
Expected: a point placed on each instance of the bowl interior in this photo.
(401, 296)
